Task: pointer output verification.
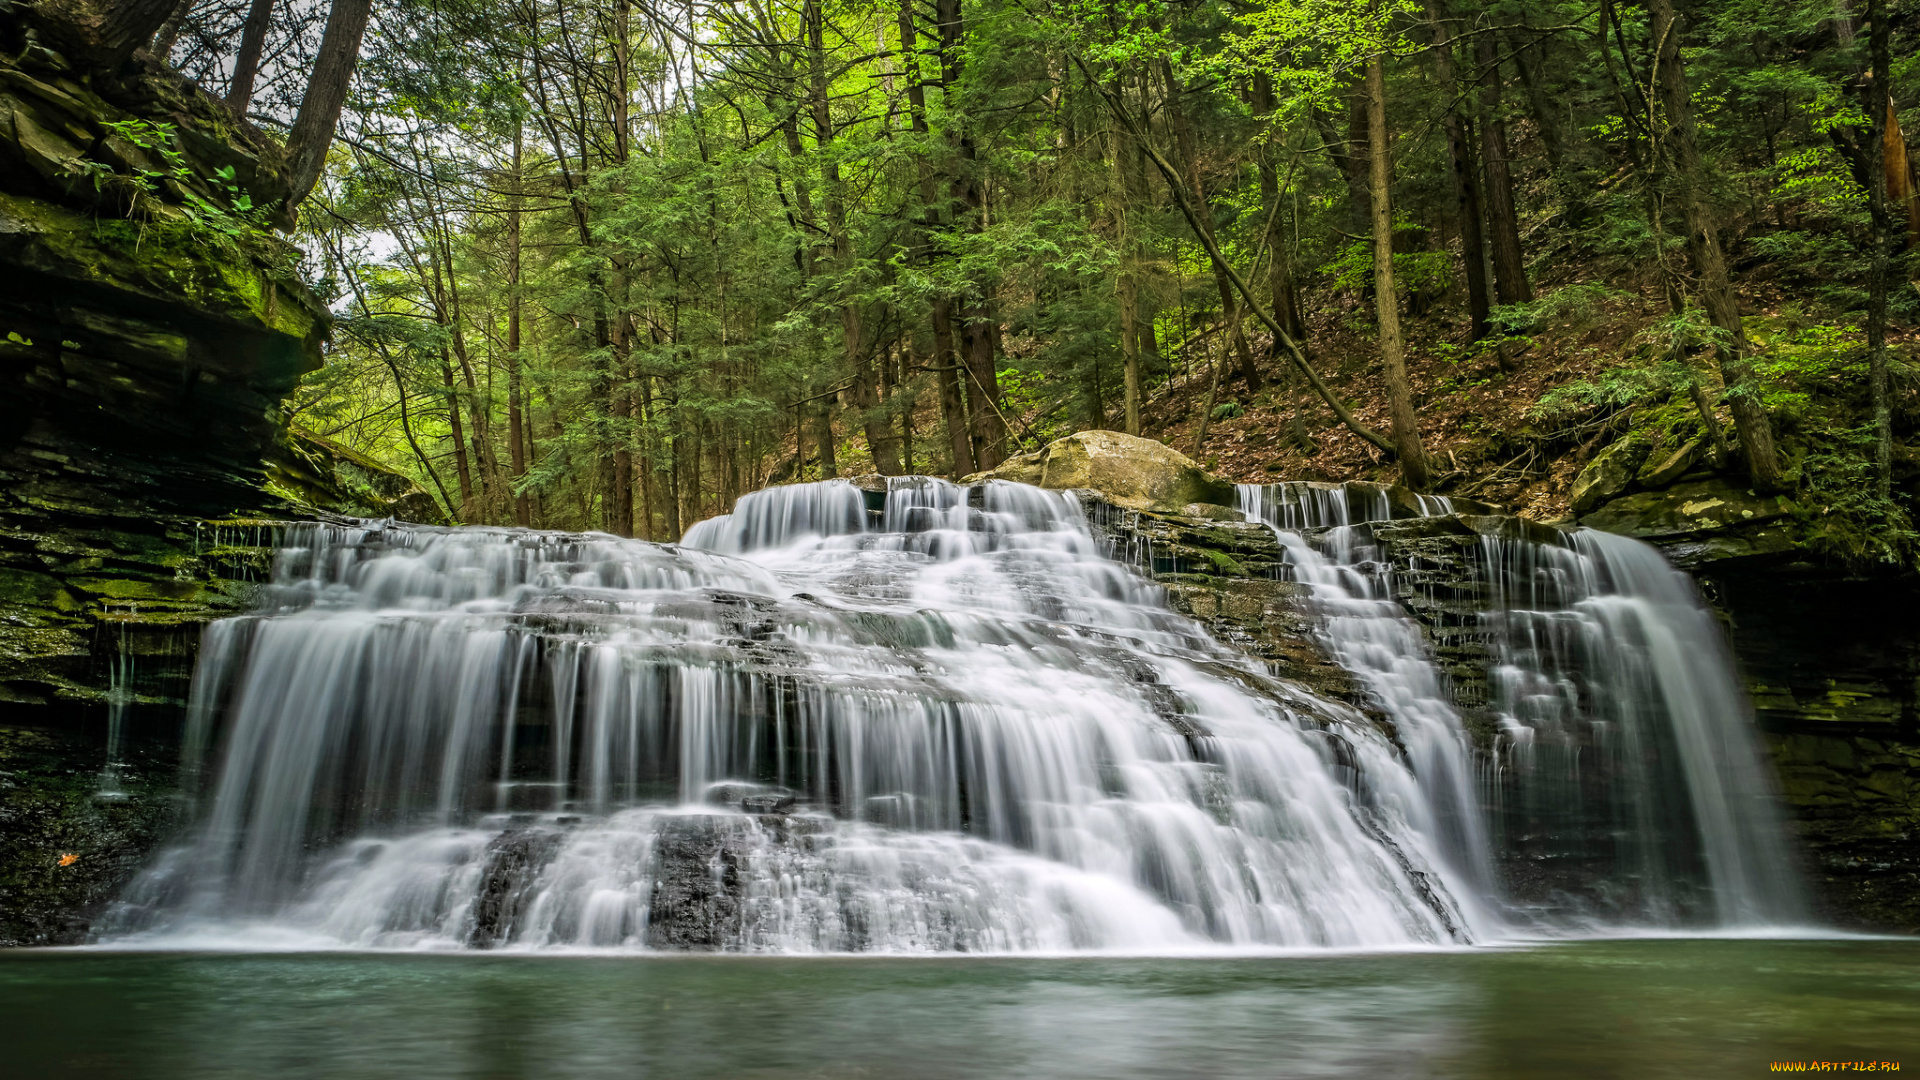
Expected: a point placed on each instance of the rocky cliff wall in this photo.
(150, 323)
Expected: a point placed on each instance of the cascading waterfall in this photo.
(1624, 782)
(930, 719)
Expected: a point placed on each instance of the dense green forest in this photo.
(608, 264)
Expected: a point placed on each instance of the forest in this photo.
(607, 265)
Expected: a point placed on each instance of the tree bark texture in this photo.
(1393, 356)
(313, 127)
(246, 62)
(1466, 179)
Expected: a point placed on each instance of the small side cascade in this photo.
(1626, 741)
(120, 695)
(1619, 781)
(1365, 629)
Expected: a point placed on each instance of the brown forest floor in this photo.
(1474, 416)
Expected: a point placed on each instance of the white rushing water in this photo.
(940, 722)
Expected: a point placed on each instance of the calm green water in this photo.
(1625, 1009)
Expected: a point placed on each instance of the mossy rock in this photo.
(1127, 471)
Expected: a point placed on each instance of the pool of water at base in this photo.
(1634, 1008)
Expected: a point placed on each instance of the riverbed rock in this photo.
(1128, 471)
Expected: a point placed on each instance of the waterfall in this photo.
(924, 719)
(1620, 779)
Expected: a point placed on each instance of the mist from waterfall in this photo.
(935, 719)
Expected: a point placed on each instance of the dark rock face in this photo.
(514, 862)
(696, 883)
(1833, 664)
(66, 845)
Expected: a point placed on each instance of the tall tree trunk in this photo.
(169, 33)
(1466, 180)
(1709, 258)
(1503, 221)
(977, 323)
(1129, 291)
(1393, 359)
(246, 63)
(983, 385)
(823, 439)
(516, 415)
(880, 439)
(619, 401)
(461, 463)
(646, 467)
(953, 407)
(946, 358)
(1884, 136)
(1127, 287)
(313, 127)
(1349, 154)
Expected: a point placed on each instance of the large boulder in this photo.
(1128, 471)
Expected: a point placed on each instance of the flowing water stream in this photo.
(942, 719)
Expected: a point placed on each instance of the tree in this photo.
(1750, 418)
(313, 129)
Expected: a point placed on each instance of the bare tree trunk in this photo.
(983, 386)
(1709, 258)
(977, 317)
(823, 439)
(460, 461)
(1130, 347)
(1280, 283)
(169, 32)
(1127, 288)
(953, 407)
(327, 86)
(246, 63)
(946, 358)
(1406, 432)
(1503, 221)
(618, 401)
